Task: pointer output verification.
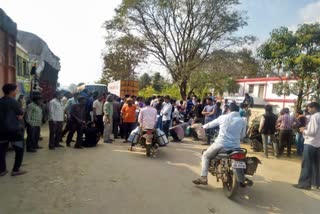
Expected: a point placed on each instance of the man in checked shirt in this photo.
(34, 120)
(286, 122)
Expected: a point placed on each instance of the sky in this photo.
(73, 28)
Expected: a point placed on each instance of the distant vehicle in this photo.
(8, 37)
(44, 63)
(123, 87)
(100, 88)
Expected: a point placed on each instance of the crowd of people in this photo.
(91, 116)
(98, 115)
(282, 131)
(94, 115)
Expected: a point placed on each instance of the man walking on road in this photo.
(310, 169)
(11, 129)
(56, 118)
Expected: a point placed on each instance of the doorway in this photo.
(261, 91)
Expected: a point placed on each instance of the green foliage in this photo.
(105, 79)
(147, 92)
(221, 71)
(157, 82)
(282, 89)
(124, 54)
(299, 53)
(172, 90)
(145, 80)
(167, 89)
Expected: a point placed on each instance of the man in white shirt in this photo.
(98, 113)
(232, 130)
(148, 116)
(56, 118)
(310, 169)
(166, 114)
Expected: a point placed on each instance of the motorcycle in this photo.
(148, 141)
(231, 167)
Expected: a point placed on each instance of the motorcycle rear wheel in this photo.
(230, 187)
(148, 150)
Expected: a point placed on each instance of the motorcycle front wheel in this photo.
(230, 187)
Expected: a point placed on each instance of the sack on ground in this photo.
(187, 132)
(92, 137)
(135, 135)
(199, 130)
(256, 145)
(178, 131)
(162, 138)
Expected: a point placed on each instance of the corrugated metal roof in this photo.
(38, 49)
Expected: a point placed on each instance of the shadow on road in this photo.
(97, 180)
(266, 196)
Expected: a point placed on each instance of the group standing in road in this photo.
(94, 115)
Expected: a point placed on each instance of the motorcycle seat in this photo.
(224, 153)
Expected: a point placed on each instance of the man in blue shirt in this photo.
(232, 129)
(189, 106)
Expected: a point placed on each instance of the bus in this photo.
(100, 88)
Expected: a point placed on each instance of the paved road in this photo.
(109, 179)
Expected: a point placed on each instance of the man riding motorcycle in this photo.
(232, 129)
(148, 116)
(147, 120)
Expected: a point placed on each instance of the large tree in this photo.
(299, 53)
(123, 55)
(181, 34)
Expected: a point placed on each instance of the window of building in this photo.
(251, 87)
(261, 91)
(25, 68)
(19, 66)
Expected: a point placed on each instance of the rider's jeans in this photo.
(209, 154)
